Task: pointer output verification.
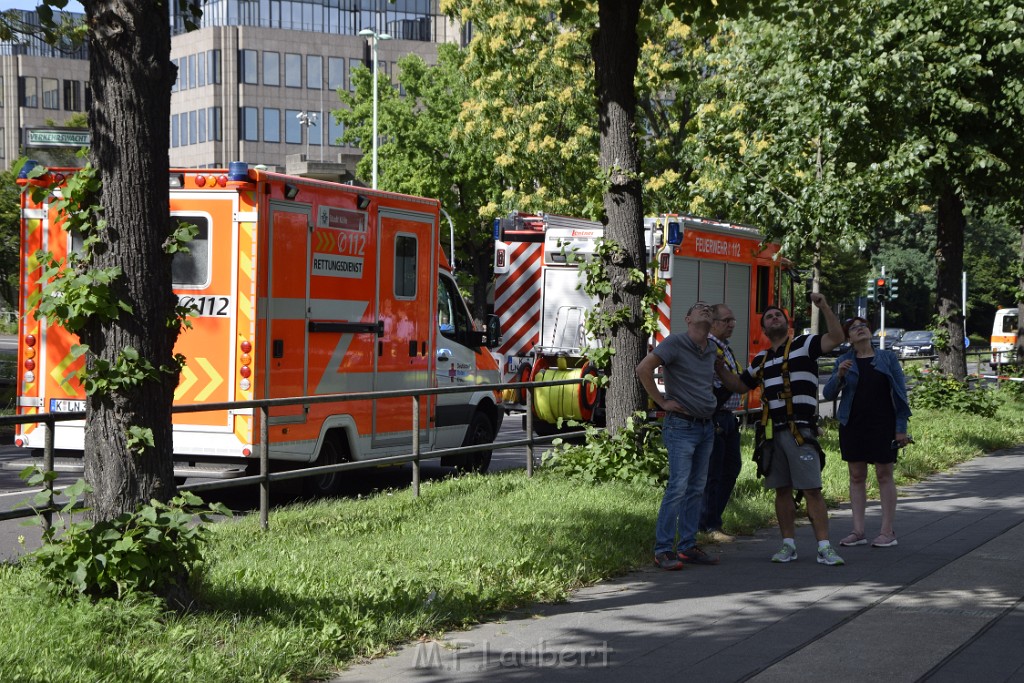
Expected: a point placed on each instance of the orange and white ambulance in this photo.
(542, 306)
(299, 287)
(1004, 337)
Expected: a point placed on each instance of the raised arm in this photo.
(834, 337)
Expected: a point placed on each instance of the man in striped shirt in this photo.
(792, 400)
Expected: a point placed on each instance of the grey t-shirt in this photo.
(689, 373)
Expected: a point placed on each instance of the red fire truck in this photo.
(542, 308)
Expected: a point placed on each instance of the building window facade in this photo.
(335, 73)
(314, 72)
(51, 93)
(292, 70)
(335, 129)
(249, 72)
(271, 68)
(249, 123)
(271, 125)
(72, 95)
(292, 127)
(29, 96)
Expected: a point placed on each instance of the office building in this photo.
(256, 80)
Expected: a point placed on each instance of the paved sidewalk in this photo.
(946, 604)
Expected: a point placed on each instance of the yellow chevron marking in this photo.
(244, 306)
(58, 375)
(245, 265)
(215, 379)
(188, 378)
(324, 241)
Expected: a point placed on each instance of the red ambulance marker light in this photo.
(59, 178)
(19, 442)
(30, 365)
(246, 347)
(30, 340)
(246, 452)
(222, 180)
(200, 181)
(245, 371)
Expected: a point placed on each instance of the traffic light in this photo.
(881, 289)
(894, 289)
(872, 294)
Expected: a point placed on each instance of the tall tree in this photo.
(130, 77)
(615, 31)
(131, 321)
(781, 135)
(951, 104)
(616, 51)
(10, 222)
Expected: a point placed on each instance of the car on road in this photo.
(892, 336)
(915, 343)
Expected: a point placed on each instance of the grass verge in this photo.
(341, 580)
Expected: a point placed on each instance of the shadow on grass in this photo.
(375, 608)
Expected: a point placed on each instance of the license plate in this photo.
(66, 405)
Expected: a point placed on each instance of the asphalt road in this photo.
(8, 345)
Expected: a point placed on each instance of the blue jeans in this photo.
(689, 449)
(723, 471)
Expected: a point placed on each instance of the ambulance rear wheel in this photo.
(481, 431)
(331, 453)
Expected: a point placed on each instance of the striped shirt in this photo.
(726, 399)
(803, 379)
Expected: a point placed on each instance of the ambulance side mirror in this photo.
(493, 338)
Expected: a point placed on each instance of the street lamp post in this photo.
(374, 39)
(307, 120)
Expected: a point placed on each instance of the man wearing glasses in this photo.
(726, 462)
(688, 432)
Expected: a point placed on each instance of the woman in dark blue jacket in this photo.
(873, 413)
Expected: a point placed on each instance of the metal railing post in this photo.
(529, 432)
(416, 446)
(49, 427)
(264, 468)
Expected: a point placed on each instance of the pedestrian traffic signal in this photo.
(881, 289)
(894, 288)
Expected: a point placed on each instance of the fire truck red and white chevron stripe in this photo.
(517, 299)
(664, 308)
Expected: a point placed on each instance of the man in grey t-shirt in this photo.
(688, 432)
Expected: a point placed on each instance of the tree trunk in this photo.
(949, 262)
(130, 75)
(616, 50)
(1020, 298)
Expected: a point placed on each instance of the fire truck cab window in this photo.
(192, 268)
(764, 288)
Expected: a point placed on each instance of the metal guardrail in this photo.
(265, 477)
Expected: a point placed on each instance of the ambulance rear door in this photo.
(405, 308)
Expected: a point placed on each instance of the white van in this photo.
(1004, 336)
